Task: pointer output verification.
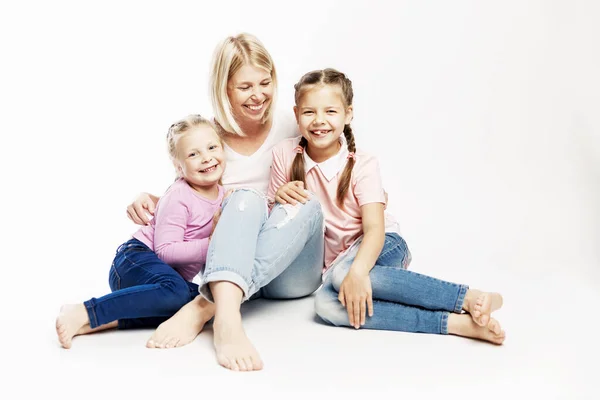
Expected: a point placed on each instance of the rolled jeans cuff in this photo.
(222, 275)
(462, 291)
(444, 322)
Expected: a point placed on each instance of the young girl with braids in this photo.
(366, 283)
(151, 275)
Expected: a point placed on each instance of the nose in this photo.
(319, 118)
(257, 94)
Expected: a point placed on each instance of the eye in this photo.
(192, 154)
(331, 112)
(244, 88)
(265, 83)
(213, 147)
(307, 112)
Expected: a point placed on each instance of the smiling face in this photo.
(199, 157)
(321, 115)
(250, 92)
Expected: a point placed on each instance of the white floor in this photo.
(550, 353)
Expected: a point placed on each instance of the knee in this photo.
(176, 293)
(329, 308)
(293, 291)
(313, 207)
(246, 199)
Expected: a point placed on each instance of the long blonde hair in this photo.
(328, 76)
(229, 56)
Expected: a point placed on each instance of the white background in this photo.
(484, 115)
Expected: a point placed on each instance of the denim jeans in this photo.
(277, 255)
(146, 290)
(402, 300)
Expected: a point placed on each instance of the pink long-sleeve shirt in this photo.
(179, 231)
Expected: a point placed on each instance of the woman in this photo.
(252, 252)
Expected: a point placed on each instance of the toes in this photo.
(224, 361)
(233, 365)
(257, 363)
(150, 344)
(485, 319)
(243, 365)
(172, 343)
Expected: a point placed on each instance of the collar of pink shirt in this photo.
(332, 166)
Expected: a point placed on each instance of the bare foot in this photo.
(463, 325)
(234, 350)
(183, 327)
(481, 305)
(70, 320)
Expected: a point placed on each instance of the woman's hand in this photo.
(356, 295)
(142, 208)
(291, 193)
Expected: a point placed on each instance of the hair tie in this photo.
(351, 156)
(299, 149)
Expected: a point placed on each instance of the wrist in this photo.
(359, 270)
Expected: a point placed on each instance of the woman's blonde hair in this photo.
(229, 56)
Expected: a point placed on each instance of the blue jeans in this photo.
(402, 300)
(146, 290)
(277, 255)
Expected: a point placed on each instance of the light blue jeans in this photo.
(277, 255)
(402, 300)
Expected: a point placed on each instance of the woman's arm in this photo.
(140, 210)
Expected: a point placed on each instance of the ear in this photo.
(178, 168)
(296, 115)
(349, 115)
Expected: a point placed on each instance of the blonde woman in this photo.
(254, 251)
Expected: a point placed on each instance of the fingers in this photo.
(149, 205)
(140, 212)
(363, 311)
(134, 216)
(370, 305)
(356, 305)
(350, 310)
(287, 198)
(342, 298)
(299, 192)
(291, 193)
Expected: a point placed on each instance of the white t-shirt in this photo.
(254, 171)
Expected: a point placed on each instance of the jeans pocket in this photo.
(395, 252)
(114, 280)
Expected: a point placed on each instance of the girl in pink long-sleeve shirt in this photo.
(151, 274)
(366, 281)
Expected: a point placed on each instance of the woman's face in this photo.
(250, 91)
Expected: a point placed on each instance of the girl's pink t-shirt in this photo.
(179, 231)
(342, 226)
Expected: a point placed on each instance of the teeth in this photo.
(255, 108)
(209, 169)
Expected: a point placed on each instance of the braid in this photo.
(297, 171)
(344, 182)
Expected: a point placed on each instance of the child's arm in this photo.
(170, 226)
(355, 291)
(281, 189)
